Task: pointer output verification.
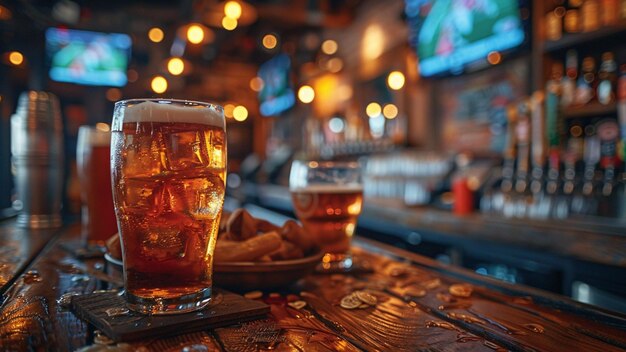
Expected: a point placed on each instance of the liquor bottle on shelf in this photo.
(590, 15)
(554, 21)
(607, 77)
(587, 82)
(571, 21)
(568, 85)
(609, 12)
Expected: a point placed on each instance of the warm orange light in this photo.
(329, 47)
(5, 14)
(395, 80)
(373, 42)
(195, 34)
(175, 66)
(334, 65)
(494, 57)
(229, 23)
(269, 41)
(232, 9)
(16, 58)
(113, 94)
(155, 34)
(306, 94)
(240, 113)
(159, 84)
(256, 84)
(228, 110)
(373, 109)
(344, 92)
(390, 111)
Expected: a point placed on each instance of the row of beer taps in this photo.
(540, 179)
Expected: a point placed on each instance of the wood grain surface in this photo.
(417, 309)
(18, 247)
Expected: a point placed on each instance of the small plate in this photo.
(246, 276)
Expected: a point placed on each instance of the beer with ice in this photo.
(168, 162)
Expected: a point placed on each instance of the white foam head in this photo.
(168, 111)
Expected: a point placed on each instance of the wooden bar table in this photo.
(421, 305)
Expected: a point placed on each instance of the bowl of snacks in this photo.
(254, 254)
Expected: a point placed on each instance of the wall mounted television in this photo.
(277, 94)
(88, 58)
(456, 36)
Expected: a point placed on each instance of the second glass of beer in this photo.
(168, 163)
(327, 198)
(94, 173)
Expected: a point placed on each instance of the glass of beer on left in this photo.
(168, 166)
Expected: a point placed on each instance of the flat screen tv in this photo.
(451, 36)
(277, 94)
(88, 58)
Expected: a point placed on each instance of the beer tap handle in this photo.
(553, 171)
(608, 132)
(508, 167)
(522, 133)
(538, 141)
(591, 158)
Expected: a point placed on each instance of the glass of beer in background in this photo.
(168, 163)
(94, 173)
(327, 198)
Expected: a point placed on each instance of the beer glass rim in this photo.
(92, 135)
(183, 102)
(329, 164)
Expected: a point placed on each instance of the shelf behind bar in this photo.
(570, 40)
(589, 111)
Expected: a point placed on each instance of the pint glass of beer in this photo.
(168, 165)
(327, 198)
(94, 173)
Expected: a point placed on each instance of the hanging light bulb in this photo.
(306, 94)
(195, 34)
(175, 66)
(159, 84)
(232, 9)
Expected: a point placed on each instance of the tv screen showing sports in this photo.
(89, 58)
(277, 94)
(449, 35)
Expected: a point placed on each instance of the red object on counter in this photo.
(463, 197)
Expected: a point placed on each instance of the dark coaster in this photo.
(107, 312)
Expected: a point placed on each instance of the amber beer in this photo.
(329, 214)
(169, 165)
(94, 172)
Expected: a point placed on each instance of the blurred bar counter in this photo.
(581, 259)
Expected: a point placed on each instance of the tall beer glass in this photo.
(168, 164)
(94, 173)
(327, 198)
